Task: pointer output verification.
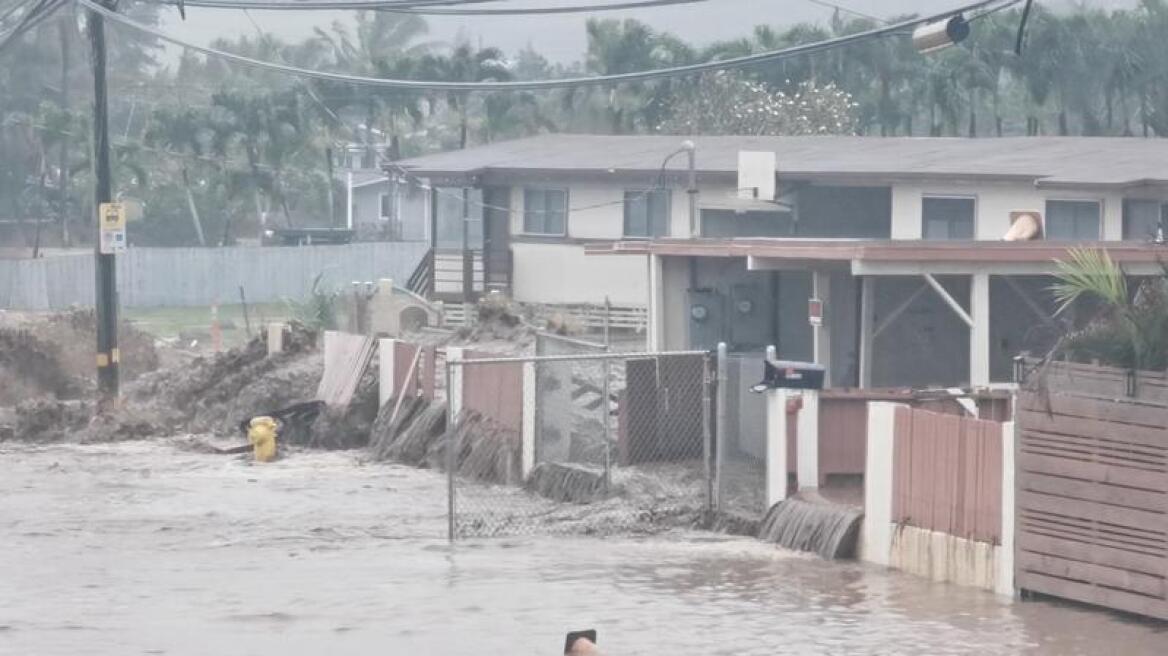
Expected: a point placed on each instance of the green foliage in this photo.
(1129, 330)
(319, 310)
(250, 146)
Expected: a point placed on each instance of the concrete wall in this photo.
(994, 202)
(177, 277)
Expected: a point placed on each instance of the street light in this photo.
(931, 37)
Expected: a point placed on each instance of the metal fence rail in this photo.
(595, 443)
(177, 277)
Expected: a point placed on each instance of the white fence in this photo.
(158, 277)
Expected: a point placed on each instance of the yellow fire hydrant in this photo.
(261, 432)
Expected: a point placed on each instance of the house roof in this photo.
(1043, 160)
(874, 253)
(366, 178)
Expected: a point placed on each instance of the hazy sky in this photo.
(561, 37)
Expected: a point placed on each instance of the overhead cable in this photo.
(639, 76)
(429, 8)
(322, 5)
(37, 14)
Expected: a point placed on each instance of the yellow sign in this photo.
(112, 216)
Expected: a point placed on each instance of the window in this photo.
(647, 213)
(1072, 220)
(947, 218)
(1141, 219)
(545, 211)
(385, 207)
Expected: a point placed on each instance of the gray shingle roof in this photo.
(1048, 160)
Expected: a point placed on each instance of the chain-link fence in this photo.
(576, 440)
(741, 432)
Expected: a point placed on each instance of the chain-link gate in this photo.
(741, 436)
(591, 443)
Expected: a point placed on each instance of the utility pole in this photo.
(692, 188)
(106, 297)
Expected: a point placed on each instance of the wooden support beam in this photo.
(949, 300)
(897, 311)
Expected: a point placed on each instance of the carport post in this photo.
(979, 331)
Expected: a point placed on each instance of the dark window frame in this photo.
(972, 200)
(1127, 228)
(631, 196)
(1046, 218)
(528, 212)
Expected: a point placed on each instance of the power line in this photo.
(641, 76)
(37, 14)
(526, 11)
(427, 8)
(321, 5)
(846, 10)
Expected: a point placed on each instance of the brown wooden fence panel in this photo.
(494, 390)
(423, 378)
(1092, 488)
(947, 474)
(843, 437)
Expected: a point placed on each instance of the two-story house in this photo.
(881, 258)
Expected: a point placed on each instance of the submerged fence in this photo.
(176, 277)
(593, 443)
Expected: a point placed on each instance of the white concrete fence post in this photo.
(876, 537)
(776, 452)
(1005, 560)
(807, 451)
(527, 447)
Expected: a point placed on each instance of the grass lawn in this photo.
(169, 322)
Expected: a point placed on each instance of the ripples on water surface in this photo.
(145, 548)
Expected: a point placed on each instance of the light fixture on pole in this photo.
(938, 35)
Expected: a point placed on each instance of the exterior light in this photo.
(931, 37)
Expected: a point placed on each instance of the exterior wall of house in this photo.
(994, 202)
(414, 225)
(367, 205)
(563, 274)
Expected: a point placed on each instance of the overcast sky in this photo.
(561, 37)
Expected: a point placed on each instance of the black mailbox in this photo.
(785, 374)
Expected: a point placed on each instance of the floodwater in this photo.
(148, 548)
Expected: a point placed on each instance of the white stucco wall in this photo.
(562, 273)
(994, 202)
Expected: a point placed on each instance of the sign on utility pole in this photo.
(113, 228)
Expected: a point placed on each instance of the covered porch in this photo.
(874, 313)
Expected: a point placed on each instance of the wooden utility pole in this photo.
(106, 298)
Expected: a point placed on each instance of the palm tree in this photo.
(386, 45)
(182, 130)
(466, 64)
(1129, 330)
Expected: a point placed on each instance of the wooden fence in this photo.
(947, 474)
(493, 390)
(421, 381)
(1092, 487)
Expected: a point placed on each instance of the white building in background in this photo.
(900, 238)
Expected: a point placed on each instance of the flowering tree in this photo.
(728, 103)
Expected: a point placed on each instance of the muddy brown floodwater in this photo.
(148, 548)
